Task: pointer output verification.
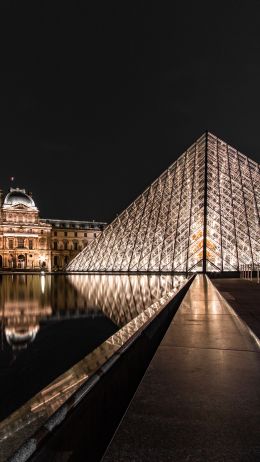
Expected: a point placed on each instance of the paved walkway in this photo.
(199, 399)
(244, 296)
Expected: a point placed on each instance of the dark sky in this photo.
(96, 101)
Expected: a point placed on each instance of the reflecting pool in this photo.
(49, 323)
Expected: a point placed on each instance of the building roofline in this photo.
(59, 220)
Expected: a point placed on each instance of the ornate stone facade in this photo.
(28, 242)
(68, 238)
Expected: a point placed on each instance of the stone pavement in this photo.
(199, 399)
(244, 297)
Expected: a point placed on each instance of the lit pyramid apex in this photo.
(201, 214)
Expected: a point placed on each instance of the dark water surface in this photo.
(49, 323)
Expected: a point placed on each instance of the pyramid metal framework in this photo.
(201, 214)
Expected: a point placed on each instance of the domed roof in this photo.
(18, 196)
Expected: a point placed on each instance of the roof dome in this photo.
(18, 196)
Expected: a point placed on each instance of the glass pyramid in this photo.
(200, 215)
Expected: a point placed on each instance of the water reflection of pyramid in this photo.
(123, 297)
(202, 214)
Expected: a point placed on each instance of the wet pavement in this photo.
(244, 297)
(199, 399)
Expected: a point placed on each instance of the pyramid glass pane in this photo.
(201, 214)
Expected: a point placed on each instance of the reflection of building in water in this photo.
(29, 242)
(123, 297)
(24, 301)
(137, 290)
(66, 300)
(22, 323)
(28, 299)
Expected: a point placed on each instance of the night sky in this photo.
(96, 101)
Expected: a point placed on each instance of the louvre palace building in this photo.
(28, 242)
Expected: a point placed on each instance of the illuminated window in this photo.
(42, 243)
(20, 241)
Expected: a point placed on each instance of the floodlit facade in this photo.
(68, 238)
(200, 215)
(28, 242)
